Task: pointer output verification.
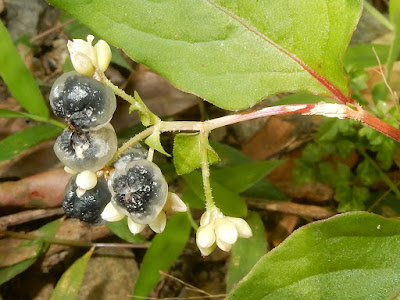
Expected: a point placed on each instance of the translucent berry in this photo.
(89, 206)
(136, 152)
(82, 100)
(86, 150)
(139, 190)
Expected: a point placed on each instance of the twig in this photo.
(310, 211)
(29, 215)
(85, 244)
(185, 284)
(47, 32)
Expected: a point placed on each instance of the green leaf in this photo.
(165, 248)
(70, 282)
(229, 156)
(153, 141)
(367, 172)
(187, 152)
(231, 53)
(302, 98)
(240, 178)
(241, 261)
(5, 113)
(266, 190)
(19, 80)
(25, 139)
(48, 230)
(359, 57)
(120, 229)
(191, 199)
(349, 256)
(303, 173)
(394, 14)
(228, 201)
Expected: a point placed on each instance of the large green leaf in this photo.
(350, 256)
(48, 230)
(162, 253)
(233, 53)
(394, 13)
(17, 77)
(25, 139)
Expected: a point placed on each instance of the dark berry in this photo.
(90, 205)
(82, 100)
(136, 152)
(139, 190)
(86, 150)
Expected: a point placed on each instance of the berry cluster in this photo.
(136, 187)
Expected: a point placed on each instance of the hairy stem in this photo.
(205, 171)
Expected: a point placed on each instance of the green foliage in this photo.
(49, 230)
(153, 141)
(25, 139)
(220, 40)
(241, 261)
(162, 253)
(19, 80)
(187, 152)
(68, 285)
(350, 256)
(324, 159)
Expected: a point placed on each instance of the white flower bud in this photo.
(86, 180)
(205, 236)
(225, 231)
(83, 56)
(174, 204)
(207, 251)
(103, 54)
(80, 192)
(223, 245)
(243, 229)
(158, 225)
(110, 214)
(135, 228)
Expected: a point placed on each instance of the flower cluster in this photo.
(219, 230)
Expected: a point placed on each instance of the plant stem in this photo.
(205, 171)
(384, 177)
(134, 140)
(191, 220)
(377, 15)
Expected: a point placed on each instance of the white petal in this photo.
(225, 230)
(223, 246)
(110, 214)
(243, 229)
(174, 204)
(205, 236)
(86, 180)
(135, 228)
(80, 192)
(205, 218)
(103, 54)
(207, 251)
(158, 225)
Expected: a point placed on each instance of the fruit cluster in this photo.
(136, 187)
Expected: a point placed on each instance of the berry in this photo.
(136, 152)
(89, 206)
(86, 150)
(139, 190)
(82, 100)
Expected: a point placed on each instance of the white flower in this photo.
(173, 204)
(219, 230)
(88, 59)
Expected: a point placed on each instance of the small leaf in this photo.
(394, 14)
(191, 199)
(48, 230)
(229, 156)
(367, 173)
(5, 113)
(228, 201)
(19, 80)
(165, 248)
(241, 261)
(359, 57)
(68, 285)
(240, 178)
(25, 139)
(153, 141)
(349, 256)
(120, 229)
(187, 152)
